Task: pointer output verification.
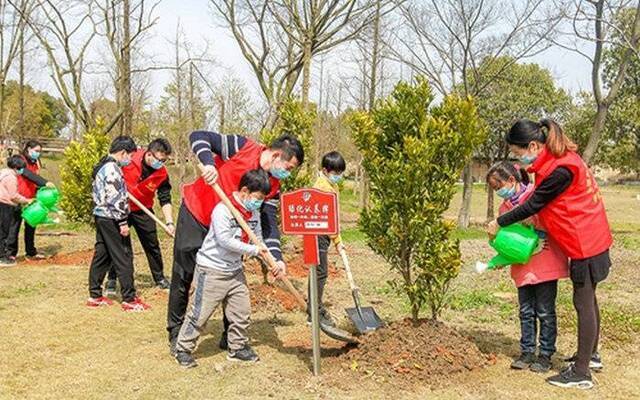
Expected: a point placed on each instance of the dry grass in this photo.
(54, 347)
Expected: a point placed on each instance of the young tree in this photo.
(413, 153)
(447, 40)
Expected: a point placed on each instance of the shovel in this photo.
(332, 332)
(365, 319)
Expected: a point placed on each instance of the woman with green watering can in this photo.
(569, 204)
(536, 280)
(28, 184)
(10, 198)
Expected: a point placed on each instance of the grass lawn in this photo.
(54, 347)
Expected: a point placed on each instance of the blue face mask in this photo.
(20, 171)
(506, 192)
(335, 179)
(124, 163)
(252, 204)
(156, 164)
(528, 159)
(35, 155)
(280, 173)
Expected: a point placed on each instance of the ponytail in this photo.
(546, 131)
(557, 141)
(504, 170)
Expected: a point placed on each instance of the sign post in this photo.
(311, 212)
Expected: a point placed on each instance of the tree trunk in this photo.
(415, 313)
(306, 73)
(127, 115)
(221, 126)
(464, 215)
(3, 87)
(21, 88)
(490, 204)
(596, 133)
(374, 57)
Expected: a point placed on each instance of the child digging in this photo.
(219, 275)
(333, 166)
(113, 243)
(10, 200)
(537, 281)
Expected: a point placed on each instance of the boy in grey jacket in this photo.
(219, 276)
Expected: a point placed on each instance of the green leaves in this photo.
(79, 159)
(413, 154)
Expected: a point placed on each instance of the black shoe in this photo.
(110, 288)
(595, 364)
(244, 355)
(185, 359)
(542, 364)
(569, 378)
(172, 347)
(164, 284)
(223, 344)
(524, 361)
(325, 318)
(7, 262)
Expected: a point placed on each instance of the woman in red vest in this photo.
(569, 204)
(28, 184)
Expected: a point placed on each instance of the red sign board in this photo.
(309, 212)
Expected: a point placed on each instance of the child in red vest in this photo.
(567, 200)
(537, 281)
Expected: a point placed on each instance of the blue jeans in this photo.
(538, 302)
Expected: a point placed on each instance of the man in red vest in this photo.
(147, 177)
(226, 158)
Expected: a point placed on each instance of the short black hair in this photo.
(160, 145)
(16, 162)
(334, 162)
(123, 142)
(256, 180)
(290, 146)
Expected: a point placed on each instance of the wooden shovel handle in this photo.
(254, 239)
(149, 213)
(347, 268)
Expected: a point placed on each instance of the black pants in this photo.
(6, 223)
(29, 235)
(147, 232)
(323, 271)
(585, 275)
(189, 237)
(538, 303)
(111, 249)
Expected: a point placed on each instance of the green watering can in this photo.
(37, 213)
(515, 244)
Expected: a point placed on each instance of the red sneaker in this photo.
(98, 302)
(135, 305)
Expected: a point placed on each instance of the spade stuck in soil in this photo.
(365, 319)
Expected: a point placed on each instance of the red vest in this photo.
(25, 187)
(200, 199)
(143, 190)
(576, 219)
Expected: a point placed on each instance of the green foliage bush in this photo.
(79, 159)
(413, 153)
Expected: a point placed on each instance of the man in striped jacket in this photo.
(226, 158)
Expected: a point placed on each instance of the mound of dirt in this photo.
(271, 298)
(295, 267)
(82, 257)
(426, 352)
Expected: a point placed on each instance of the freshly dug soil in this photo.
(271, 298)
(295, 267)
(426, 352)
(82, 257)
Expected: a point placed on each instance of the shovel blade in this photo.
(369, 322)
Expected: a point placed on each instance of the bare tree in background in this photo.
(594, 22)
(446, 40)
(275, 59)
(12, 30)
(123, 25)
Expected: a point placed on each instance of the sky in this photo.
(571, 71)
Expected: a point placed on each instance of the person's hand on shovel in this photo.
(280, 270)
(340, 247)
(210, 174)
